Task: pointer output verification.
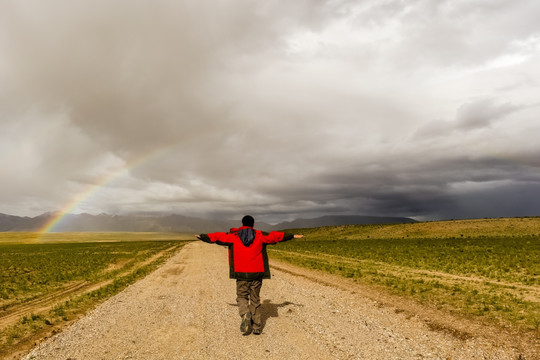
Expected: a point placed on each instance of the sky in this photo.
(279, 109)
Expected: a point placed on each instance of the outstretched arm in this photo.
(219, 238)
(204, 237)
(276, 236)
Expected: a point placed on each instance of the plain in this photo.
(484, 269)
(48, 280)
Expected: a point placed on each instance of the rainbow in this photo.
(101, 183)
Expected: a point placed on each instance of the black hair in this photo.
(248, 220)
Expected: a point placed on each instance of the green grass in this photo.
(493, 278)
(506, 259)
(28, 270)
(34, 267)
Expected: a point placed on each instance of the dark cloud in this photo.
(283, 109)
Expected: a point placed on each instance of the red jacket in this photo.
(247, 251)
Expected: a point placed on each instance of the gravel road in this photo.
(186, 310)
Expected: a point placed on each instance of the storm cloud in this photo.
(280, 109)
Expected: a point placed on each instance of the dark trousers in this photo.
(249, 300)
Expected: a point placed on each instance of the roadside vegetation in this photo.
(486, 269)
(47, 280)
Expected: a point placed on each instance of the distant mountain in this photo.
(336, 220)
(171, 223)
(18, 223)
(10, 222)
(107, 223)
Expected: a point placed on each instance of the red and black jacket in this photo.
(247, 251)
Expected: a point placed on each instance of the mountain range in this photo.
(173, 223)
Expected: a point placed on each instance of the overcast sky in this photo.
(282, 109)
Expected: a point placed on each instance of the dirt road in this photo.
(186, 310)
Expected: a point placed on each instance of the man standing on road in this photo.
(248, 264)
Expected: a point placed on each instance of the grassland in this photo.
(46, 280)
(486, 269)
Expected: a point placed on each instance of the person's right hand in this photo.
(298, 236)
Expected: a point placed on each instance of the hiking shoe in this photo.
(246, 321)
(257, 331)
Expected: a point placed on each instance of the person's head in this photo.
(248, 221)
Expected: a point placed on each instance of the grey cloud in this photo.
(510, 199)
(213, 113)
(473, 115)
(137, 76)
(452, 33)
(410, 188)
(482, 113)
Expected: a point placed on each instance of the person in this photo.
(248, 264)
